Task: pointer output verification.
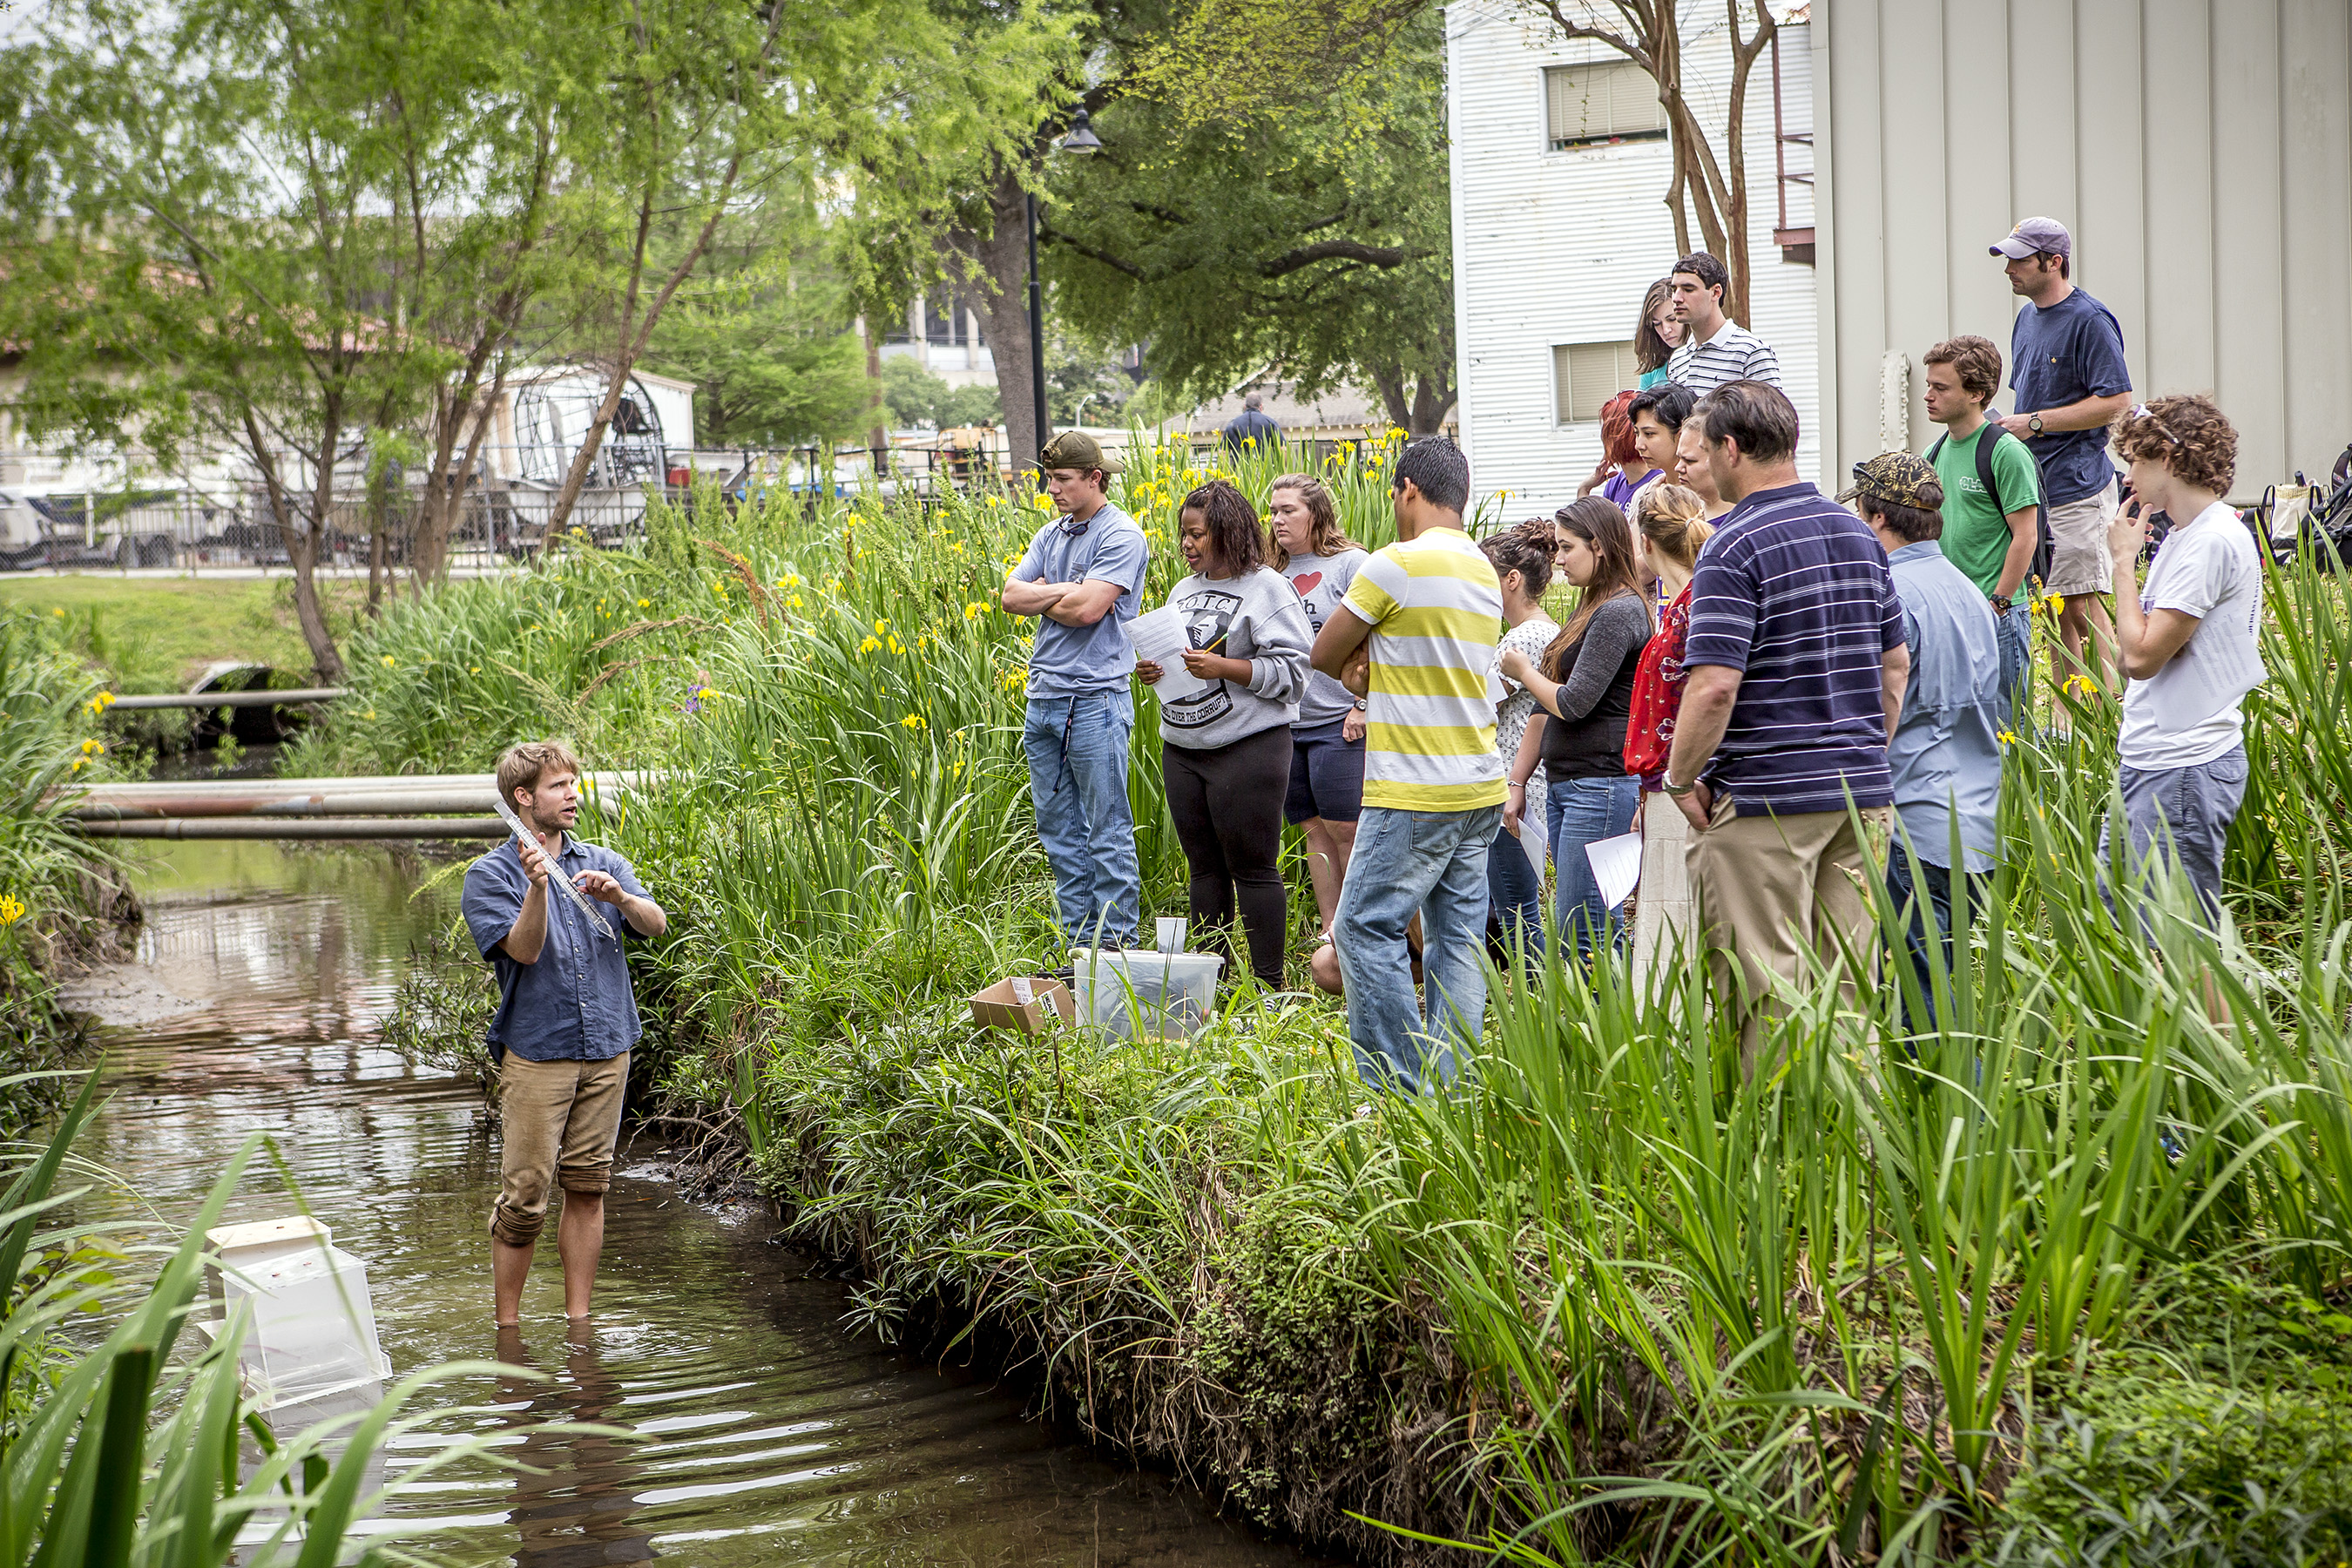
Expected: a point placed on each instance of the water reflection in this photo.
(761, 1434)
(574, 1492)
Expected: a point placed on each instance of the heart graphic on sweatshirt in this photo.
(1308, 583)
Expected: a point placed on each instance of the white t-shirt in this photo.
(2191, 712)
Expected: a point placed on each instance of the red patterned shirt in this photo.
(1658, 695)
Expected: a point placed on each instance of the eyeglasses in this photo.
(2142, 411)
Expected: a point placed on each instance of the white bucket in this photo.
(1131, 994)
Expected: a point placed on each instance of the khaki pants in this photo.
(1662, 908)
(1773, 890)
(562, 1122)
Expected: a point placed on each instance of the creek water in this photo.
(764, 1433)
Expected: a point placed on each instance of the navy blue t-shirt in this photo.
(1793, 590)
(2070, 351)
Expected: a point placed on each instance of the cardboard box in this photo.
(995, 1008)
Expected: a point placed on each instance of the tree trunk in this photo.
(1433, 400)
(877, 434)
(301, 545)
(447, 479)
(379, 525)
(1002, 255)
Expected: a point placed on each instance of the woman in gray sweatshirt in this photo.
(1225, 746)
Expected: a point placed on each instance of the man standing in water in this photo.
(565, 1022)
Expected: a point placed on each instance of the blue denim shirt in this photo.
(574, 1004)
(1946, 753)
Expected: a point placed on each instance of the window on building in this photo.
(1586, 375)
(1609, 100)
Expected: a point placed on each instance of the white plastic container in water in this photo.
(1131, 994)
(313, 1331)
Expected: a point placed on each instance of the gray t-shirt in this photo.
(1321, 581)
(1254, 616)
(1078, 661)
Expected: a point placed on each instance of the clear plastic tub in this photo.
(1132, 994)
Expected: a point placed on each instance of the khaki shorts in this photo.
(2079, 562)
(562, 1123)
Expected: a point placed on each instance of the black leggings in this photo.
(1227, 803)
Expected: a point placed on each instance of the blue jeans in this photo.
(1433, 861)
(1516, 893)
(2014, 633)
(1585, 811)
(1927, 889)
(1078, 779)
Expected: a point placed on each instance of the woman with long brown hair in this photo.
(1670, 524)
(1522, 558)
(1658, 334)
(1325, 795)
(1585, 686)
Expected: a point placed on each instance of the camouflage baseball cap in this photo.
(1077, 449)
(1893, 477)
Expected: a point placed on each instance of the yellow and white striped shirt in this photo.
(1436, 612)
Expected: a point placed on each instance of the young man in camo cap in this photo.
(1945, 752)
(1082, 579)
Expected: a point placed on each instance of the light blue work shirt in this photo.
(1078, 661)
(1946, 753)
(574, 1004)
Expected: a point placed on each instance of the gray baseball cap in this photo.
(2036, 237)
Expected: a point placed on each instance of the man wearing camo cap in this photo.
(2067, 369)
(1081, 578)
(1945, 752)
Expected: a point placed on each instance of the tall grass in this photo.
(1610, 1298)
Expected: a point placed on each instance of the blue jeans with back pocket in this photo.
(1077, 780)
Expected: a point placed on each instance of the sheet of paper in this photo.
(1616, 866)
(1531, 845)
(1159, 636)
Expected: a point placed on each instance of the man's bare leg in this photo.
(580, 1238)
(509, 1266)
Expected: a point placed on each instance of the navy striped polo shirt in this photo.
(1793, 591)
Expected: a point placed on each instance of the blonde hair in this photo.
(1324, 535)
(522, 766)
(1673, 518)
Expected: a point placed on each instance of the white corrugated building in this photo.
(1560, 168)
(2200, 151)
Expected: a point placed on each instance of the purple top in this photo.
(1620, 488)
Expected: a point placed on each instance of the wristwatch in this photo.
(1359, 705)
(2033, 423)
(1666, 782)
(2003, 604)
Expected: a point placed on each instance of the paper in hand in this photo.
(1532, 845)
(1159, 636)
(1616, 866)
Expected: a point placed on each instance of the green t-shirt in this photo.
(1976, 527)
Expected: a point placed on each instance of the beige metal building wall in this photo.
(2200, 151)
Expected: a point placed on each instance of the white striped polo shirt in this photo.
(1436, 612)
(1734, 354)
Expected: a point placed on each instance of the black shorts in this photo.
(1327, 775)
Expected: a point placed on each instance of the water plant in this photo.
(1610, 1298)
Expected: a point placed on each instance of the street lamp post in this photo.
(1081, 139)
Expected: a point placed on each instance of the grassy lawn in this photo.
(156, 635)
